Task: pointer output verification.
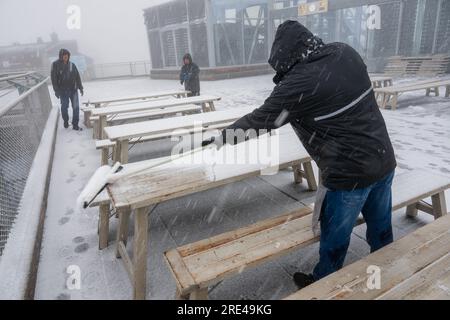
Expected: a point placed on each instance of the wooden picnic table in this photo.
(103, 103)
(381, 81)
(389, 95)
(207, 103)
(416, 266)
(173, 180)
(121, 135)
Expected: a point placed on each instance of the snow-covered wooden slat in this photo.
(172, 93)
(160, 112)
(103, 103)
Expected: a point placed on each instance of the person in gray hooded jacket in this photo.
(66, 82)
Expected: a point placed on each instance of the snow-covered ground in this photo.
(419, 129)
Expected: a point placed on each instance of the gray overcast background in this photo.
(111, 30)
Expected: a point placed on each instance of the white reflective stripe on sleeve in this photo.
(344, 108)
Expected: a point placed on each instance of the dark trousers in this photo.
(72, 97)
(340, 210)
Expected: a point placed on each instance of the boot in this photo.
(302, 279)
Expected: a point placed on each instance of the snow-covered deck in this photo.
(420, 132)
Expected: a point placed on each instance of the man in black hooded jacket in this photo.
(189, 76)
(324, 92)
(66, 82)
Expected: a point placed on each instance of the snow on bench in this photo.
(414, 267)
(106, 145)
(144, 115)
(207, 103)
(143, 191)
(123, 135)
(389, 95)
(197, 266)
(151, 113)
(103, 103)
(380, 81)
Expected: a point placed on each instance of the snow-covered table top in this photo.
(207, 169)
(145, 128)
(117, 109)
(167, 93)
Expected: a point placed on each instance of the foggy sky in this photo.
(111, 30)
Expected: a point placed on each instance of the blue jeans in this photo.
(65, 97)
(340, 210)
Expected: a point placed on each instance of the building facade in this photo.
(225, 35)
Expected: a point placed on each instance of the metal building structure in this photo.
(223, 34)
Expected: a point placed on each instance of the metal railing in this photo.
(25, 105)
(117, 70)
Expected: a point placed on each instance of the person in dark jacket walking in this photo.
(325, 93)
(189, 76)
(66, 82)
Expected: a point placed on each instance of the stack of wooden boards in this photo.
(426, 66)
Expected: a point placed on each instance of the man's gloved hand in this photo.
(213, 140)
(82, 92)
(57, 95)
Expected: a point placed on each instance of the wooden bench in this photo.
(425, 65)
(207, 103)
(120, 137)
(415, 267)
(197, 266)
(103, 103)
(141, 192)
(389, 95)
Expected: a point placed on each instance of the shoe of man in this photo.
(77, 128)
(66, 125)
(303, 280)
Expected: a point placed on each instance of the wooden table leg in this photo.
(447, 91)
(122, 230)
(439, 204)
(394, 101)
(384, 98)
(412, 210)
(200, 294)
(211, 106)
(121, 152)
(298, 176)
(105, 156)
(101, 125)
(309, 175)
(103, 231)
(95, 130)
(140, 248)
